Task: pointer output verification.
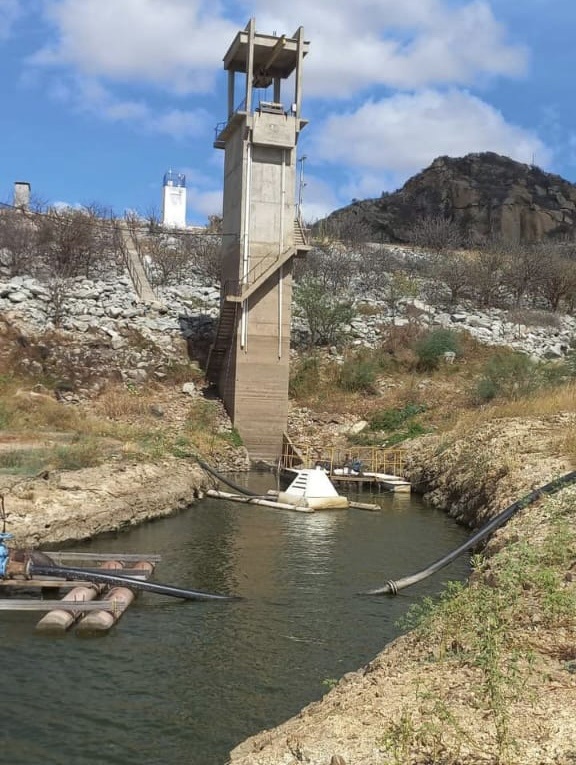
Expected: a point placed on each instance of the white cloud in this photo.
(318, 199)
(177, 44)
(203, 203)
(409, 44)
(402, 134)
(90, 96)
(10, 10)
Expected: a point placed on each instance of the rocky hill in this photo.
(483, 194)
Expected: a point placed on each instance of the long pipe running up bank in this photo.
(392, 587)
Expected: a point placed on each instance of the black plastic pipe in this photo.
(66, 572)
(392, 587)
(227, 481)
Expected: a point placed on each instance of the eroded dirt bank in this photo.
(77, 505)
(494, 679)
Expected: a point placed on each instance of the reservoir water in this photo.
(182, 683)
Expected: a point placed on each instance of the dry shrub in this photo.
(567, 444)
(119, 402)
(395, 339)
(541, 404)
(30, 410)
(180, 372)
(533, 318)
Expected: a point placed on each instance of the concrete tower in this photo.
(174, 200)
(22, 195)
(262, 233)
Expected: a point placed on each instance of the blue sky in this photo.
(101, 97)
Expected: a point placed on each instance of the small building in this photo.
(21, 195)
(174, 200)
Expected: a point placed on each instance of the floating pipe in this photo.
(227, 481)
(102, 621)
(392, 587)
(59, 620)
(258, 500)
(123, 581)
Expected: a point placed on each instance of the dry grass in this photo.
(119, 402)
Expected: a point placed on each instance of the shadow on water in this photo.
(184, 682)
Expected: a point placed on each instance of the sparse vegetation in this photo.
(432, 346)
(487, 627)
(325, 314)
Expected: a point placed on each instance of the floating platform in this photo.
(383, 481)
(91, 606)
(309, 491)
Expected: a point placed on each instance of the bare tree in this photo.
(19, 242)
(331, 265)
(205, 254)
(453, 269)
(214, 225)
(59, 290)
(488, 264)
(153, 219)
(525, 270)
(558, 278)
(400, 286)
(436, 233)
(71, 241)
(168, 260)
(349, 229)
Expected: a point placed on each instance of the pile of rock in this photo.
(110, 308)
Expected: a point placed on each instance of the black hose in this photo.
(392, 587)
(227, 481)
(123, 581)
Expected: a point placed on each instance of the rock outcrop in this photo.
(483, 194)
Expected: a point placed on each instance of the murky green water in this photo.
(182, 683)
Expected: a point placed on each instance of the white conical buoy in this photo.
(312, 488)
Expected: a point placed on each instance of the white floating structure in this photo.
(174, 200)
(313, 489)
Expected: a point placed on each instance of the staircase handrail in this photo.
(266, 263)
(130, 226)
(128, 263)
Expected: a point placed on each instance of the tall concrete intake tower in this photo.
(262, 234)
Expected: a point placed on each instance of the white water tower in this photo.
(174, 200)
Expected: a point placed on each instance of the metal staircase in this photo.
(300, 239)
(135, 266)
(222, 341)
(236, 293)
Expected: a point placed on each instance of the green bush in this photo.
(233, 437)
(511, 376)
(432, 346)
(325, 314)
(391, 419)
(413, 430)
(359, 373)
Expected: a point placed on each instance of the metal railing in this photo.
(355, 460)
(266, 263)
(220, 126)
